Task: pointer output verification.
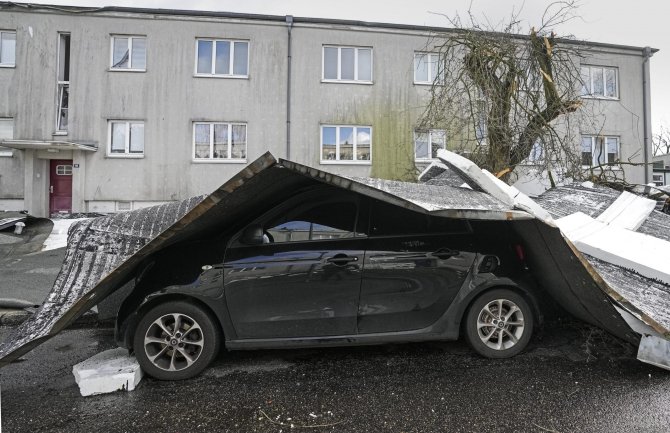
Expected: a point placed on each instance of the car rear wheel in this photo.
(176, 340)
(499, 324)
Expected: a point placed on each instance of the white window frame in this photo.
(431, 65)
(6, 151)
(658, 179)
(594, 155)
(229, 159)
(126, 153)
(231, 55)
(339, 65)
(130, 67)
(64, 170)
(337, 159)
(430, 142)
(2, 33)
(604, 76)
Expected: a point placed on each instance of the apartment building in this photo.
(115, 108)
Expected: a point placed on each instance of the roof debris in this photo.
(105, 253)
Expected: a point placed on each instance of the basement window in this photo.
(129, 53)
(342, 144)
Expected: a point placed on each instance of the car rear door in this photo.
(414, 266)
(305, 281)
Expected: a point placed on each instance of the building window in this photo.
(63, 83)
(129, 53)
(658, 179)
(426, 67)
(216, 141)
(126, 138)
(599, 82)
(346, 144)
(6, 133)
(347, 64)
(427, 143)
(222, 58)
(598, 150)
(7, 49)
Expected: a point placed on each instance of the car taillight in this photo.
(520, 253)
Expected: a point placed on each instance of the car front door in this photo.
(304, 280)
(415, 265)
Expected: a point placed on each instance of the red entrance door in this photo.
(60, 188)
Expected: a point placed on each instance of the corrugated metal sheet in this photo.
(106, 252)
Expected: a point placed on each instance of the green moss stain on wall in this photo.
(392, 136)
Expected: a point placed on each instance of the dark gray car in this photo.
(329, 267)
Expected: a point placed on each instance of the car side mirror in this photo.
(252, 235)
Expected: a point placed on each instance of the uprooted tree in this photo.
(500, 94)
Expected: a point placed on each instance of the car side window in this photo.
(390, 220)
(333, 220)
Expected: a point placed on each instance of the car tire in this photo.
(176, 340)
(499, 336)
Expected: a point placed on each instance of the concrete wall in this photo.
(622, 117)
(168, 98)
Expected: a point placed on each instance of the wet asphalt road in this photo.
(570, 380)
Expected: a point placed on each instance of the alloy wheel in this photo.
(500, 324)
(173, 342)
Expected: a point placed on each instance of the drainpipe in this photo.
(289, 26)
(646, 109)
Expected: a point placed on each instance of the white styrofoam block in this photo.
(108, 371)
(628, 211)
(474, 173)
(521, 200)
(655, 351)
(644, 254)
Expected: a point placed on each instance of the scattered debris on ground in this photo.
(108, 371)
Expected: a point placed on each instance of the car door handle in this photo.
(341, 259)
(445, 253)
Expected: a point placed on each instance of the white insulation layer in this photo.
(646, 255)
(628, 211)
(108, 371)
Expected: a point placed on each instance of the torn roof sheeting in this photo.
(93, 268)
(574, 278)
(103, 253)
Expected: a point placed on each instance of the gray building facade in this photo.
(117, 108)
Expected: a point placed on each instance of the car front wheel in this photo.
(176, 340)
(499, 324)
